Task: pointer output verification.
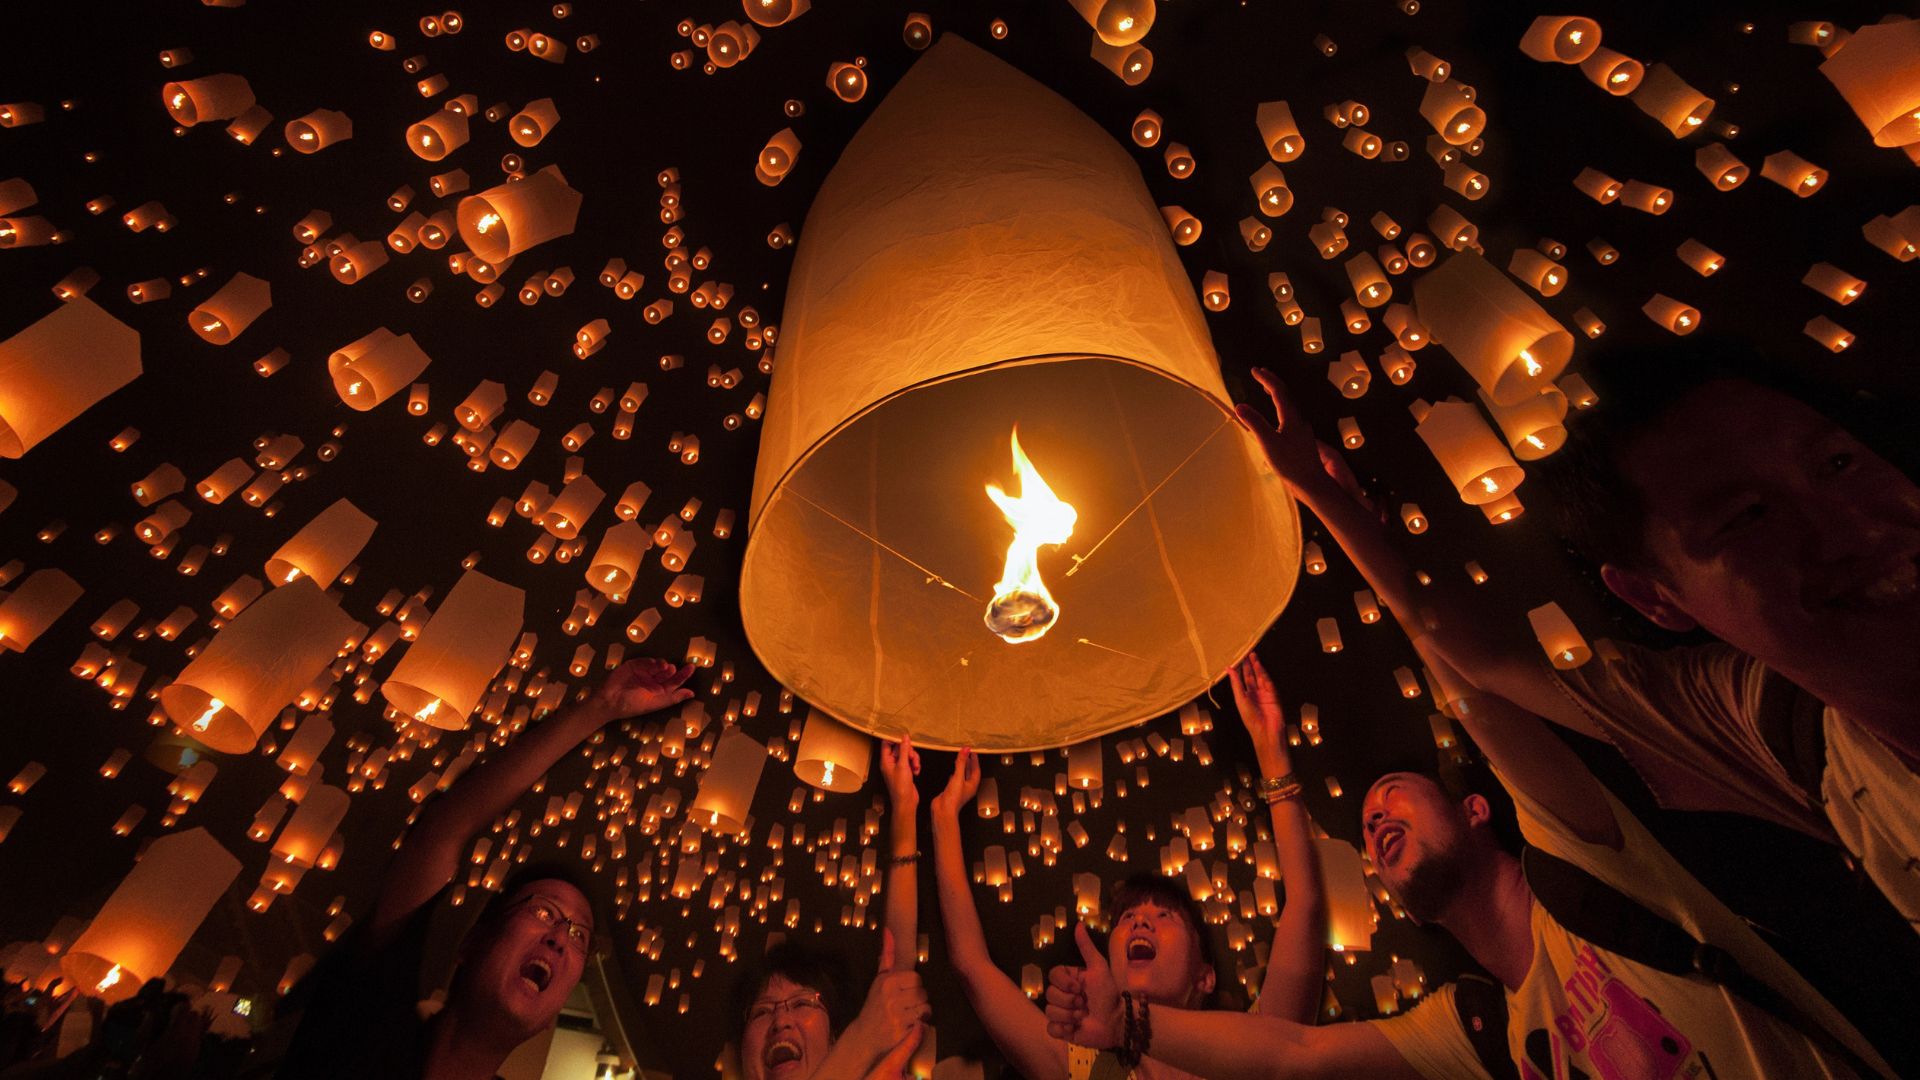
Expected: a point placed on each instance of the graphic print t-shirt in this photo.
(1584, 1014)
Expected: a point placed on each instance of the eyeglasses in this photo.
(800, 1006)
(546, 913)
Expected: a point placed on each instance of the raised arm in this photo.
(1084, 1005)
(1295, 961)
(429, 856)
(899, 764)
(1017, 1026)
(1482, 647)
(879, 1043)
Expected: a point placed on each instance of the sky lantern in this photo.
(255, 667)
(142, 927)
(922, 327)
(58, 368)
(1877, 71)
(445, 672)
(1505, 340)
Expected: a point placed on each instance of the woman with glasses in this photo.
(365, 1010)
(793, 1015)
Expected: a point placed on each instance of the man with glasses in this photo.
(367, 1013)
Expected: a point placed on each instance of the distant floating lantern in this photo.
(616, 562)
(1132, 63)
(440, 134)
(1613, 72)
(231, 310)
(1349, 907)
(256, 666)
(1833, 283)
(917, 31)
(214, 97)
(1597, 186)
(1563, 644)
(1793, 172)
(314, 822)
(445, 672)
(1719, 165)
(1878, 73)
(847, 81)
(1501, 337)
(42, 597)
(1117, 22)
(1561, 39)
(1830, 334)
(832, 756)
(777, 157)
(1467, 450)
(323, 548)
(1672, 314)
(1452, 113)
(318, 130)
(154, 911)
(503, 221)
(724, 800)
(373, 368)
(1666, 97)
(960, 371)
(59, 367)
(1279, 131)
(532, 123)
(1535, 427)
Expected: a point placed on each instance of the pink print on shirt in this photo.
(1622, 1036)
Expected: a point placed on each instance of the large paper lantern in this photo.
(371, 369)
(504, 221)
(1349, 908)
(1508, 343)
(312, 826)
(324, 547)
(256, 666)
(60, 367)
(1878, 72)
(44, 596)
(445, 671)
(966, 272)
(149, 918)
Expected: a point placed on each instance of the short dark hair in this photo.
(1594, 505)
(1169, 893)
(1458, 774)
(820, 971)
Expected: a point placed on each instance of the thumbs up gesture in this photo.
(894, 1017)
(1083, 1003)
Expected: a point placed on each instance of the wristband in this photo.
(903, 860)
(1271, 784)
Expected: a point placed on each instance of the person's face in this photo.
(788, 1032)
(1417, 838)
(532, 959)
(1779, 532)
(1153, 952)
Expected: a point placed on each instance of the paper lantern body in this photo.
(1349, 908)
(324, 547)
(726, 790)
(58, 368)
(1878, 72)
(1508, 343)
(504, 221)
(373, 368)
(1474, 459)
(311, 827)
(923, 322)
(149, 918)
(232, 309)
(44, 596)
(256, 666)
(446, 670)
(831, 755)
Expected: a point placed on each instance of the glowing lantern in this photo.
(533, 123)
(896, 344)
(832, 756)
(1534, 427)
(440, 134)
(1672, 314)
(1793, 172)
(1613, 72)
(231, 310)
(1278, 131)
(59, 367)
(373, 368)
(1501, 337)
(1349, 908)
(1561, 39)
(256, 666)
(777, 157)
(725, 797)
(313, 824)
(504, 221)
(1474, 460)
(1117, 22)
(319, 129)
(215, 97)
(42, 597)
(1878, 73)
(1563, 644)
(1666, 97)
(446, 670)
(142, 927)
(323, 548)
(1452, 113)
(617, 561)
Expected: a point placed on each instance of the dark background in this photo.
(626, 115)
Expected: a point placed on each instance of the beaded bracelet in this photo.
(1271, 784)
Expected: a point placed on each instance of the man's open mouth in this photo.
(537, 972)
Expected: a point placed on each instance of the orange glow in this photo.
(1022, 609)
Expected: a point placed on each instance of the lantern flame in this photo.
(428, 710)
(1022, 609)
(214, 705)
(112, 976)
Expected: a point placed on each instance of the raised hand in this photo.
(642, 686)
(1083, 1003)
(899, 764)
(1300, 459)
(895, 1012)
(961, 787)
(1259, 707)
